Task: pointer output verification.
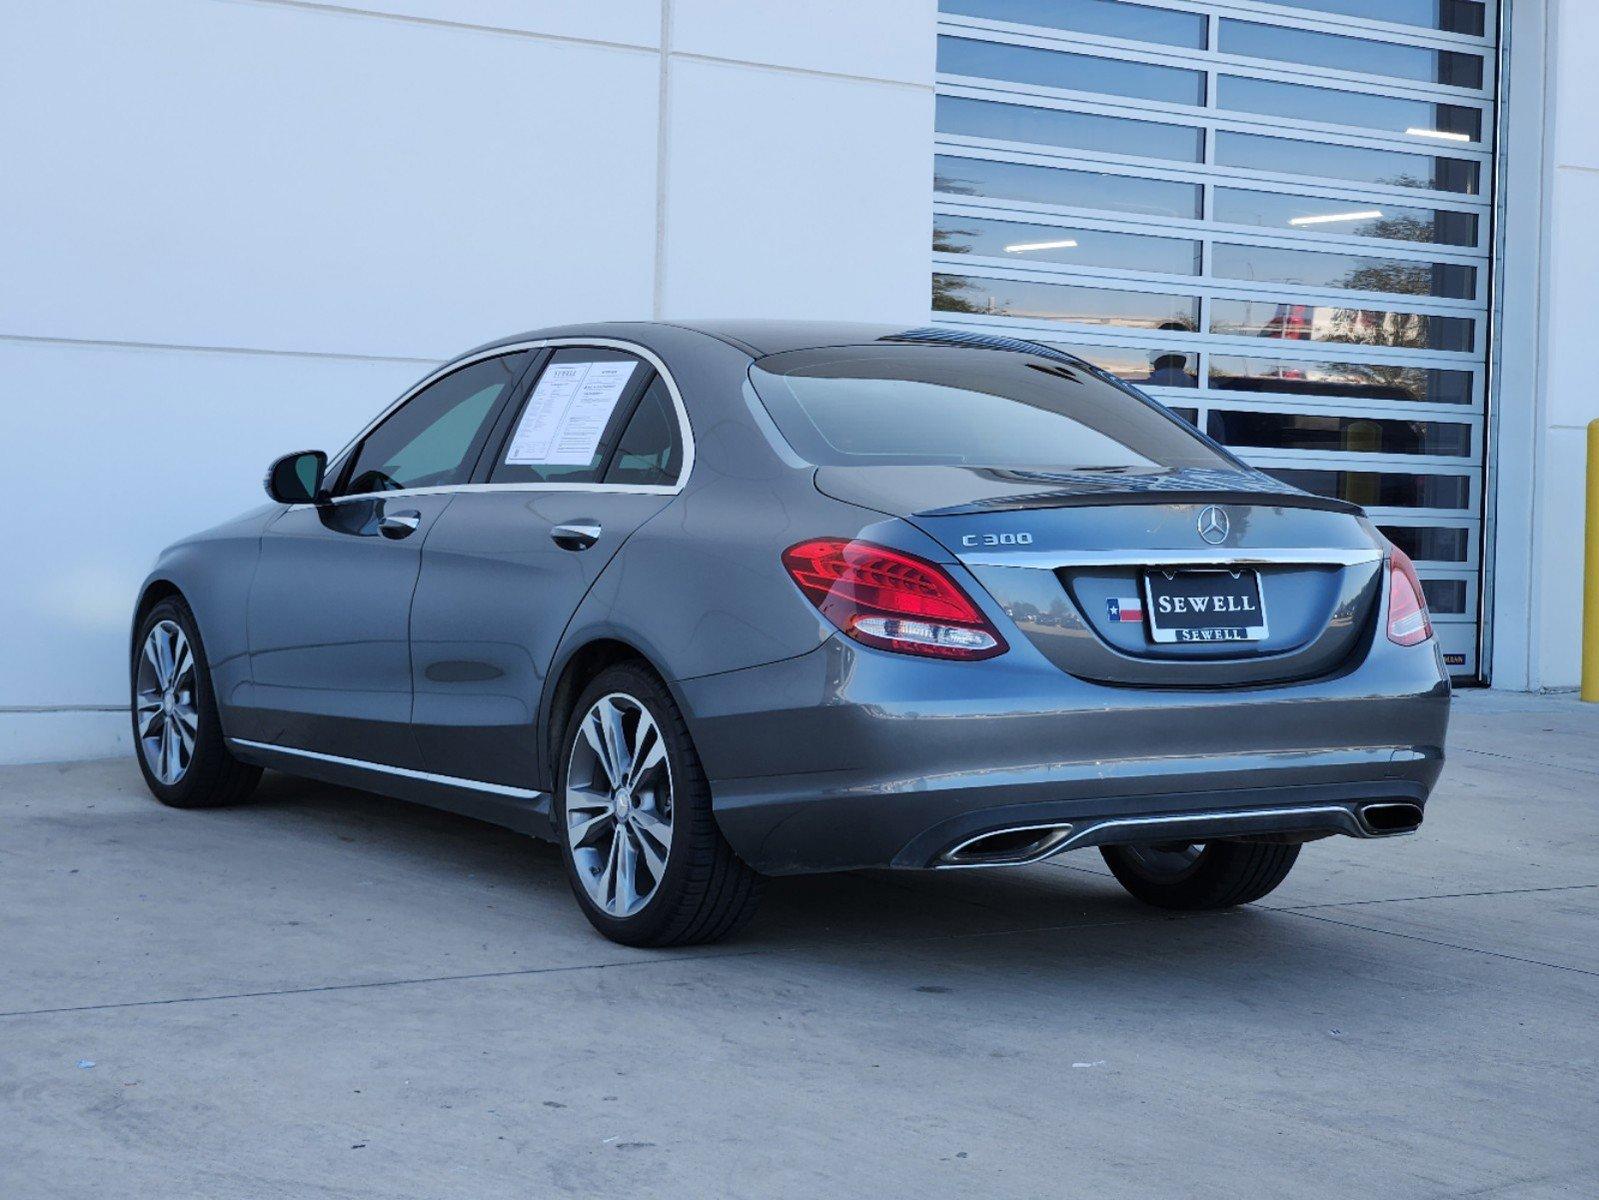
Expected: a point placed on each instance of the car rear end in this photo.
(1155, 646)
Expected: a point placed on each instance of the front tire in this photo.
(643, 853)
(177, 735)
(1191, 877)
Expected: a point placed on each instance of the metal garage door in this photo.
(1275, 217)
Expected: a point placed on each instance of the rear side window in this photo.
(887, 404)
(572, 417)
(651, 447)
(434, 438)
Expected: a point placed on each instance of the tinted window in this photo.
(1419, 118)
(1426, 543)
(1347, 218)
(888, 404)
(1363, 381)
(651, 447)
(1320, 269)
(1056, 127)
(1333, 323)
(1074, 189)
(434, 439)
(1454, 16)
(1079, 72)
(1108, 18)
(1325, 433)
(1165, 367)
(1278, 43)
(1372, 489)
(1025, 244)
(571, 417)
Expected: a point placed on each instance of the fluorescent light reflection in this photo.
(1443, 135)
(1369, 214)
(1023, 247)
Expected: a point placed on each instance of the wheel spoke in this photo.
(578, 831)
(605, 882)
(149, 709)
(170, 766)
(618, 759)
(185, 661)
(594, 732)
(654, 840)
(649, 753)
(626, 872)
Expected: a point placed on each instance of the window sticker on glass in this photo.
(567, 414)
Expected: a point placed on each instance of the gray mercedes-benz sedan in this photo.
(704, 603)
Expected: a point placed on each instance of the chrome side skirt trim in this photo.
(471, 785)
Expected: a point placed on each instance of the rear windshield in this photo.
(959, 405)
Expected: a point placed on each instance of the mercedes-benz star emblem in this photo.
(1213, 524)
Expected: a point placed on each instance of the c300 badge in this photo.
(996, 539)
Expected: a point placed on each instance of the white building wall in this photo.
(1548, 391)
(235, 229)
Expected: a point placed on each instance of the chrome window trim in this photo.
(498, 789)
(685, 426)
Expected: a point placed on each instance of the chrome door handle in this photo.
(399, 524)
(575, 537)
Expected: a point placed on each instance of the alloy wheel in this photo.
(619, 804)
(166, 703)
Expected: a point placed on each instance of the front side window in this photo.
(433, 440)
(904, 404)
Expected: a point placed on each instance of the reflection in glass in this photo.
(1429, 543)
(1108, 18)
(1027, 300)
(1356, 381)
(1281, 44)
(1337, 107)
(1079, 72)
(1445, 595)
(1376, 490)
(1329, 433)
(1074, 189)
(1158, 368)
(1080, 131)
(1452, 16)
(1024, 244)
(1346, 218)
(1395, 168)
(1328, 323)
(1319, 269)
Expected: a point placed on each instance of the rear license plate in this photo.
(1204, 606)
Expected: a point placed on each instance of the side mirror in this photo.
(297, 478)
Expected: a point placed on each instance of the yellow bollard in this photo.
(1590, 576)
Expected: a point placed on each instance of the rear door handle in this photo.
(399, 524)
(575, 537)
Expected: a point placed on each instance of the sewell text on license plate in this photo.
(1204, 606)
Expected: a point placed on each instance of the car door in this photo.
(330, 603)
(598, 445)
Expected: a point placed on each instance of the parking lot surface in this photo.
(327, 994)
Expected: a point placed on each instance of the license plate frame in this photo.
(1234, 585)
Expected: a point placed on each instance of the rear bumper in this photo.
(850, 757)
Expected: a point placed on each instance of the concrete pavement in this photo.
(326, 994)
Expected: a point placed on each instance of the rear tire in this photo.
(1196, 877)
(649, 867)
(177, 735)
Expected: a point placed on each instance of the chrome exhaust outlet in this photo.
(1006, 847)
(1388, 819)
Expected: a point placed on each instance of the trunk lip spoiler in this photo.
(1259, 499)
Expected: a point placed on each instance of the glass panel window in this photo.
(1430, 543)
(1278, 43)
(1072, 189)
(1026, 244)
(1106, 18)
(1146, 368)
(1025, 300)
(651, 448)
(1327, 433)
(1445, 595)
(1330, 106)
(1394, 168)
(1355, 381)
(1452, 16)
(1079, 131)
(434, 438)
(1331, 323)
(1373, 489)
(1347, 218)
(1079, 72)
(1315, 268)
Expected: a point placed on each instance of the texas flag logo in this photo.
(1127, 608)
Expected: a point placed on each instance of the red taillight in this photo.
(891, 600)
(1408, 622)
